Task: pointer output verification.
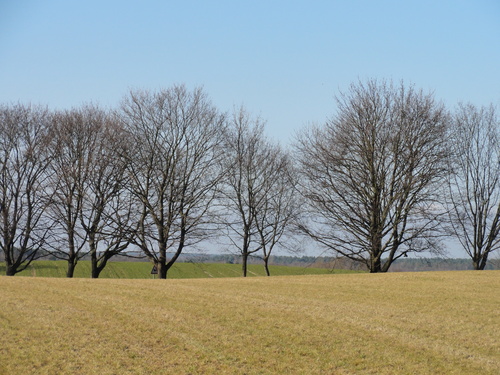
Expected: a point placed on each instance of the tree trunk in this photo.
(95, 271)
(72, 256)
(71, 268)
(266, 266)
(244, 259)
(10, 266)
(162, 268)
(375, 264)
(479, 262)
(98, 267)
(93, 257)
(172, 260)
(482, 263)
(161, 263)
(10, 270)
(93, 260)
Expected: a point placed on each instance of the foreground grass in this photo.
(142, 270)
(398, 323)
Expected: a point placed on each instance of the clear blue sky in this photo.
(283, 60)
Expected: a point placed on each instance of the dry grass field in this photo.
(397, 323)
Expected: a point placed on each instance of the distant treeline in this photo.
(401, 265)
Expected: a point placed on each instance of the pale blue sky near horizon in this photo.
(283, 60)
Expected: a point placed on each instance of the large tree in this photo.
(372, 174)
(475, 182)
(107, 210)
(258, 202)
(89, 207)
(173, 169)
(23, 185)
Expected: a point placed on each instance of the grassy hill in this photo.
(142, 270)
(397, 323)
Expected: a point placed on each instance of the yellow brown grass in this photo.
(398, 323)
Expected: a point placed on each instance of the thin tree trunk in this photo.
(244, 259)
(93, 261)
(72, 256)
(266, 266)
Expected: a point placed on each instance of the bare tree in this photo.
(259, 194)
(107, 207)
(277, 206)
(23, 177)
(173, 168)
(89, 207)
(372, 175)
(475, 183)
(71, 148)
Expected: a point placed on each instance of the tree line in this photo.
(393, 172)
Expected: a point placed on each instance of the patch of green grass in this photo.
(397, 323)
(142, 270)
